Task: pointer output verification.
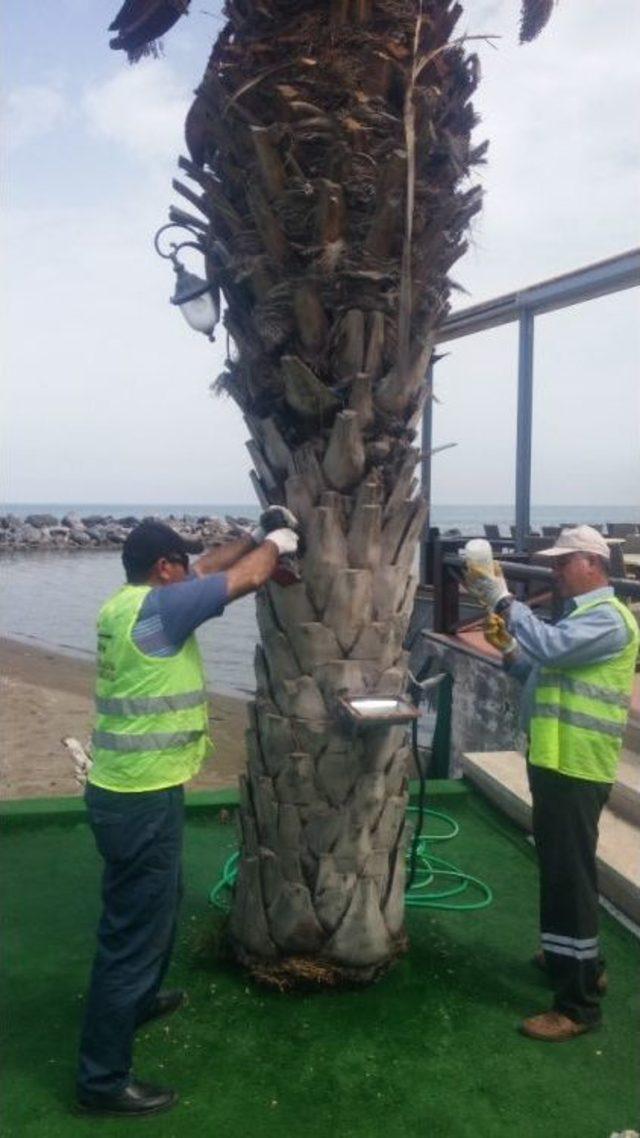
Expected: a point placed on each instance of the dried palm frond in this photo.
(273, 316)
(140, 23)
(534, 15)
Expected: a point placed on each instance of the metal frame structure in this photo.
(599, 279)
(447, 573)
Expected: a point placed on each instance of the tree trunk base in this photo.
(307, 973)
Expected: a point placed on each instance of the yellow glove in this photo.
(495, 633)
(486, 585)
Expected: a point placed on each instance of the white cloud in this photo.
(31, 111)
(108, 389)
(562, 175)
(107, 392)
(141, 107)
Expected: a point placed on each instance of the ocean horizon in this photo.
(466, 517)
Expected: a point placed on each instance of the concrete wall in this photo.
(485, 701)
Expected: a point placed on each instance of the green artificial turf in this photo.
(429, 1051)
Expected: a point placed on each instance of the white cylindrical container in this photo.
(478, 552)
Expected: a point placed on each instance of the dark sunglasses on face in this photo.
(179, 559)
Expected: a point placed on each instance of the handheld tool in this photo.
(287, 571)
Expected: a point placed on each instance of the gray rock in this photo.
(41, 521)
(28, 535)
(103, 531)
(72, 521)
(79, 537)
(116, 534)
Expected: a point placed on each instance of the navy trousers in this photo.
(140, 839)
(566, 812)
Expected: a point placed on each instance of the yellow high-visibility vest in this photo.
(151, 728)
(580, 713)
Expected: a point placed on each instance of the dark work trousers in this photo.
(566, 812)
(140, 838)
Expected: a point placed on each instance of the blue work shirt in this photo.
(593, 636)
(170, 613)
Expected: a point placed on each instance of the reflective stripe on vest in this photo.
(152, 741)
(580, 712)
(578, 719)
(150, 704)
(591, 691)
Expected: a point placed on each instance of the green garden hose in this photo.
(428, 871)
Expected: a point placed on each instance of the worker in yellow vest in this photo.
(578, 677)
(151, 736)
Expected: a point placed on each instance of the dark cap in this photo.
(148, 542)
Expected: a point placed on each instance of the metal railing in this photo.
(445, 567)
(522, 307)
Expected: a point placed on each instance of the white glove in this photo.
(488, 588)
(81, 758)
(284, 516)
(285, 540)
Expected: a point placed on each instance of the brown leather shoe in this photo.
(602, 983)
(553, 1027)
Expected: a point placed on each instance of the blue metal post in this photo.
(524, 421)
(425, 466)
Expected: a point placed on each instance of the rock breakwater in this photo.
(72, 533)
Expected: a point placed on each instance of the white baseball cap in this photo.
(582, 539)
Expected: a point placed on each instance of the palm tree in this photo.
(329, 146)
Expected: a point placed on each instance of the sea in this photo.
(50, 599)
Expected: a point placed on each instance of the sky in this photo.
(106, 390)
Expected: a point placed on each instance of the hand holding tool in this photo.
(496, 634)
(274, 517)
(486, 584)
(280, 520)
(286, 540)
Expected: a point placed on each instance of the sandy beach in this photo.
(46, 695)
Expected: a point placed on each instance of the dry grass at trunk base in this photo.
(306, 973)
(296, 973)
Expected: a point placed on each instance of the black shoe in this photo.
(164, 1004)
(134, 1099)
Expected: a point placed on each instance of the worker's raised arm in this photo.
(222, 557)
(592, 636)
(255, 569)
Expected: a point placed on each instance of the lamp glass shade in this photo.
(194, 297)
(201, 313)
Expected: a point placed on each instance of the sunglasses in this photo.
(179, 559)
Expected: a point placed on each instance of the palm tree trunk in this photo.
(329, 143)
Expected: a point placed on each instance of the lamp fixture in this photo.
(378, 711)
(197, 299)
